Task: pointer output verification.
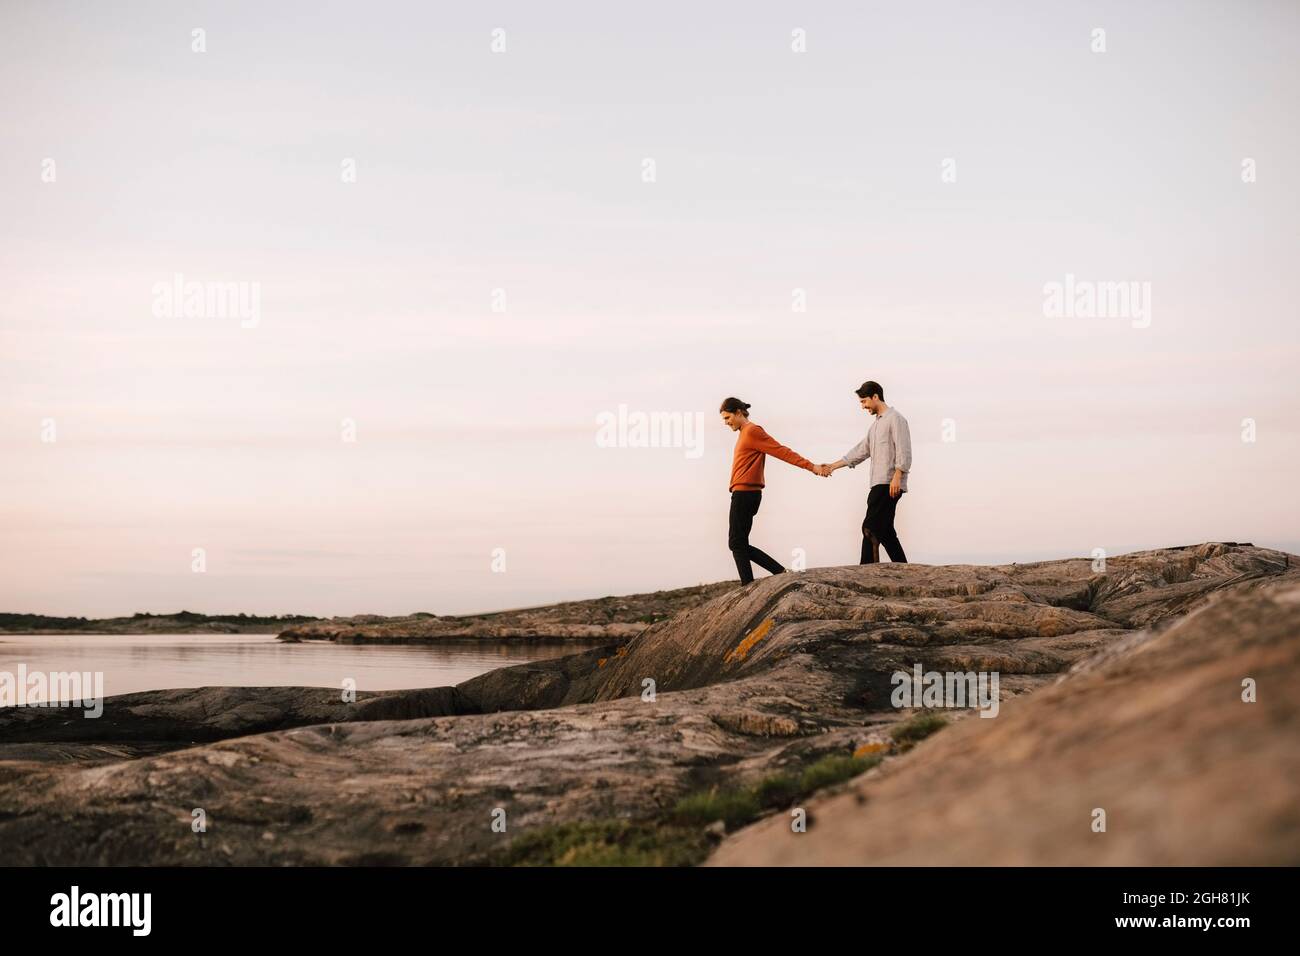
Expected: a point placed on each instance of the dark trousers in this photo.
(878, 528)
(744, 505)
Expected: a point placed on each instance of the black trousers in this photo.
(878, 527)
(744, 505)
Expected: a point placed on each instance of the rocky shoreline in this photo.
(700, 736)
(594, 621)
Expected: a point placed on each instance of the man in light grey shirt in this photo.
(889, 446)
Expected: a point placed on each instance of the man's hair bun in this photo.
(733, 405)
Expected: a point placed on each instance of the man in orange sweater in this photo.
(753, 445)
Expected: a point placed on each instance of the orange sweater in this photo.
(752, 444)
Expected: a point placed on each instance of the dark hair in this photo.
(734, 405)
(871, 388)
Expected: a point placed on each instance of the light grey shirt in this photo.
(889, 445)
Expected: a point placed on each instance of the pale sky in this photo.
(126, 158)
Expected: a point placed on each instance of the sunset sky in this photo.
(524, 171)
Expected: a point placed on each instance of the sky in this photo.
(465, 234)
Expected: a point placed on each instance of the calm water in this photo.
(134, 662)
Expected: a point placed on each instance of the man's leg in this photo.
(880, 519)
(870, 546)
(765, 561)
(744, 505)
(738, 525)
(761, 558)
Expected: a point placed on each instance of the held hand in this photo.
(823, 470)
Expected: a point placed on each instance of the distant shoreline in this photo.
(182, 622)
(142, 632)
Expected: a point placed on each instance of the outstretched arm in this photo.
(852, 458)
(770, 446)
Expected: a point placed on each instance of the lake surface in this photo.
(136, 662)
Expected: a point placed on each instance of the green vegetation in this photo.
(190, 617)
(607, 843)
(738, 806)
(39, 622)
(733, 807)
(43, 622)
(680, 840)
(915, 729)
(833, 770)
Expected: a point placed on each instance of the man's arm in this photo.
(770, 446)
(857, 454)
(852, 458)
(902, 455)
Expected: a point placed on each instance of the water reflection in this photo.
(133, 662)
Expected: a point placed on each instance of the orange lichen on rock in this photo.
(621, 652)
(866, 750)
(738, 652)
